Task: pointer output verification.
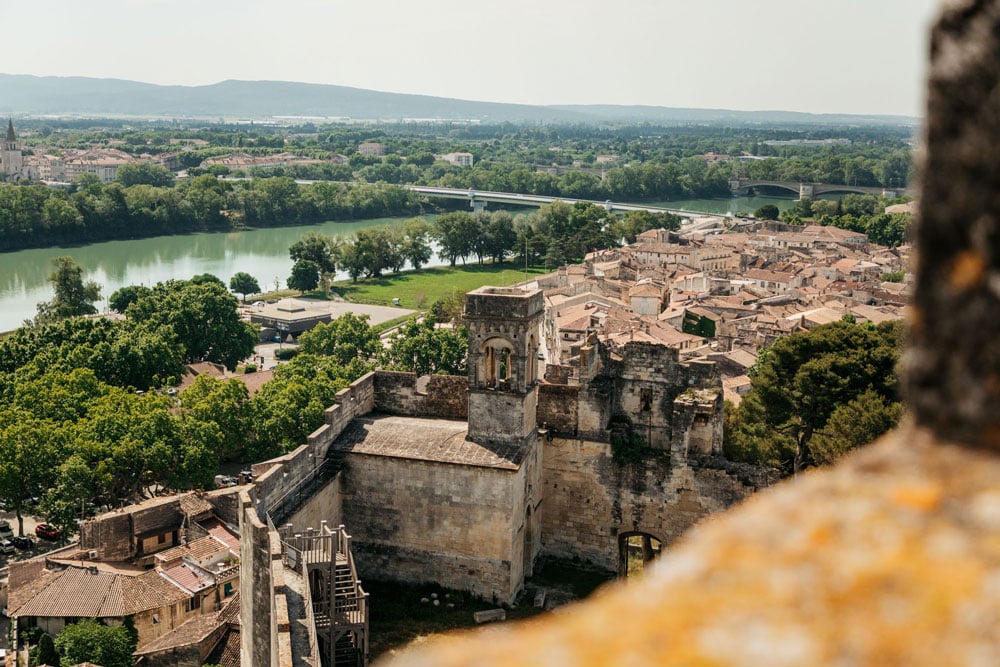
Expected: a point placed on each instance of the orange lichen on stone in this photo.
(925, 497)
(967, 271)
(863, 564)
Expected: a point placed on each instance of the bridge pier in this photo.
(478, 205)
(806, 191)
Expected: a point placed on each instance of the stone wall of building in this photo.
(443, 396)
(421, 521)
(324, 505)
(590, 500)
(557, 408)
(258, 606)
(497, 416)
(110, 536)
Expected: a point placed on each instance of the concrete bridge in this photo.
(478, 200)
(811, 190)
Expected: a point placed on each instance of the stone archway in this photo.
(635, 551)
(496, 361)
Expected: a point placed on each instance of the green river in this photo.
(263, 253)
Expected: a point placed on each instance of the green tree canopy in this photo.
(422, 348)
(803, 379)
(243, 283)
(305, 276)
(767, 212)
(90, 641)
(72, 297)
(123, 297)
(144, 173)
(345, 338)
(202, 317)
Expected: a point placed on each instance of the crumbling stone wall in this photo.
(590, 499)
(444, 396)
(557, 408)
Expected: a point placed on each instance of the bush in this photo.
(250, 368)
(285, 353)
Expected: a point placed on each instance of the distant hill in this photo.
(24, 94)
(670, 116)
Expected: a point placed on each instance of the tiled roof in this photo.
(220, 532)
(190, 632)
(194, 505)
(227, 653)
(230, 612)
(203, 547)
(150, 591)
(24, 590)
(186, 577)
(77, 592)
(438, 440)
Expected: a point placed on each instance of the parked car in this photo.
(6, 532)
(7, 547)
(23, 542)
(46, 531)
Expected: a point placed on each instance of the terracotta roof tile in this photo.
(230, 612)
(78, 592)
(186, 577)
(227, 653)
(190, 632)
(219, 531)
(150, 591)
(203, 547)
(194, 505)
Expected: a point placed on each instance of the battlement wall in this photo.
(277, 477)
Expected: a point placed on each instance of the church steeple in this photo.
(10, 130)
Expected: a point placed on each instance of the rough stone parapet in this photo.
(953, 364)
(443, 397)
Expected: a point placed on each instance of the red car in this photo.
(46, 531)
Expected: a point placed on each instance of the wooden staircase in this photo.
(338, 603)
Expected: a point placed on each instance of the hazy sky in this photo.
(853, 56)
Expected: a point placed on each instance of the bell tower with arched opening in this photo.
(504, 326)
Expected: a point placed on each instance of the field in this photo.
(419, 289)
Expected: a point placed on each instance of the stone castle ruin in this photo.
(466, 482)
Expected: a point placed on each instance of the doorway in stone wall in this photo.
(636, 551)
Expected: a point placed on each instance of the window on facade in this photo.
(227, 590)
(156, 619)
(160, 539)
(193, 603)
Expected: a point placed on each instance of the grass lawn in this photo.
(419, 289)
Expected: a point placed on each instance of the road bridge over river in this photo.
(478, 200)
(811, 190)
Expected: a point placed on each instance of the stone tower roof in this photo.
(10, 130)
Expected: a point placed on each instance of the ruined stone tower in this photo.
(504, 329)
